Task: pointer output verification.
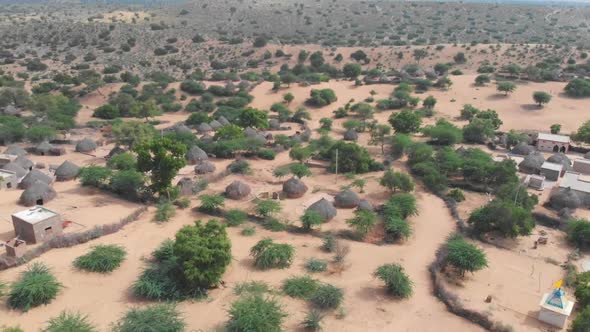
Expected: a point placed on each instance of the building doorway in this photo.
(555, 148)
(40, 201)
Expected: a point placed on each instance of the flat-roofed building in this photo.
(551, 171)
(8, 179)
(582, 166)
(7, 159)
(37, 224)
(553, 143)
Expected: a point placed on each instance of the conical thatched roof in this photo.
(223, 121)
(182, 129)
(32, 177)
(186, 186)
(565, 198)
(559, 158)
(38, 191)
(532, 163)
(347, 199)
(215, 124)
(15, 150)
(365, 205)
(24, 162)
(523, 149)
(16, 168)
(274, 124)
(237, 190)
(206, 138)
(249, 132)
(587, 155)
(195, 155)
(43, 147)
(294, 187)
(204, 168)
(67, 171)
(86, 145)
(115, 151)
(204, 128)
(351, 135)
(325, 209)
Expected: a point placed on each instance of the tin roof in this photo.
(35, 214)
(552, 166)
(575, 181)
(554, 138)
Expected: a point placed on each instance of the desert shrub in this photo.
(311, 218)
(95, 176)
(582, 321)
(164, 251)
(300, 287)
(321, 97)
(327, 297)
(267, 207)
(159, 281)
(122, 161)
(248, 231)
(578, 232)
(255, 313)
(329, 243)
(464, 256)
(102, 259)
(266, 154)
(159, 317)
(36, 286)
(183, 202)
(268, 254)
(12, 329)
(582, 289)
(457, 195)
(313, 321)
(578, 87)
(69, 322)
(235, 217)
(211, 203)
(239, 167)
(164, 211)
(316, 265)
(252, 287)
(362, 222)
(396, 280)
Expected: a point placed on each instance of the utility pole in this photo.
(336, 166)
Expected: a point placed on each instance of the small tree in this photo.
(396, 180)
(555, 128)
(506, 87)
(464, 256)
(162, 158)
(359, 183)
(311, 218)
(541, 98)
(582, 321)
(420, 54)
(482, 79)
(578, 233)
(380, 135)
(211, 203)
(396, 280)
(429, 102)
(301, 154)
(95, 176)
(362, 222)
(267, 207)
(351, 70)
(288, 98)
(268, 255)
(326, 123)
(159, 317)
(300, 170)
(405, 121)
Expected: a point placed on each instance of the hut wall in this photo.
(40, 231)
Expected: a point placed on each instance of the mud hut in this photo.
(565, 198)
(67, 171)
(223, 121)
(347, 199)
(523, 149)
(16, 168)
(37, 194)
(250, 132)
(186, 186)
(324, 208)
(24, 162)
(182, 129)
(562, 159)
(587, 155)
(215, 124)
(237, 190)
(86, 145)
(204, 128)
(365, 205)
(32, 177)
(43, 149)
(15, 150)
(274, 124)
(532, 163)
(206, 138)
(294, 187)
(351, 135)
(195, 155)
(204, 168)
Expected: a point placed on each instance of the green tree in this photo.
(464, 256)
(429, 102)
(583, 133)
(267, 207)
(12, 129)
(132, 133)
(251, 117)
(128, 184)
(380, 135)
(288, 97)
(504, 217)
(578, 87)
(482, 79)
(37, 134)
(555, 128)
(211, 203)
(203, 252)
(352, 158)
(443, 133)
(322, 97)
(578, 233)
(460, 57)
(541, 98)
(300, 153)
(582, 321)
(146, 109)
(162, 158)
(362, 222)
(478, 131)
(506, 87)
(300, 170)
(351, 70)
(420, 54)
(396, 180)
(405, 122)
(311, 218)
(363, 111)
(95, 176)
(326, 123)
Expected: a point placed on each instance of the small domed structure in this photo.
(67, 171)
(365, 205)
(182, 129)
(532, 163)
(294, 188)
(351, 135)
(237, 190)
(250, 132)
(204, 168)
(324, 208)
(565, 198)
(523, 149)
(587, 155)
(32, 177)
(86, 145)
(215, 124)
(562, 159)
(15, 150)
(274, 124)
(186, 186)
(347, 199)
(206, 138)
(43, 148)
(16, 168)
(115, 151)
(24, 162)
(223, 120)
(37, 194)
(204, 128)
(195, 155)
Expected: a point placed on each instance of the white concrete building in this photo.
(555, 308)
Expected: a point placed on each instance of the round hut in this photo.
(115, 151)
(195, 155)
(237, 190)
(206, 138)
(523, 149)
(559, 158)
(16, 168)
(565, 198)
(37, 194)
(204, 168)
(215, 124)
(15, 150)
(223, 120)
(587, 155)
(32, 177)
(250, 132)
(324, 208)
(274, 124)
(351, 135)
(67, 171)
(24, 162)
(86, 145)
(44, 148)
(204, 128)
(347, 199)
(532, 163)
(182, 129)
(365, 205)
(186, 186)
(294, 187)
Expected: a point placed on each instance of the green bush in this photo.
(316, 265)
(69, 322)
(300, 287)
(327, 297)
(582, 291)
(252, 287)
(329, 243)
(267, 207)
(362, 222)
(164, 211)
(210, 203)
(102, 259)
(239, 167)
(36, 286)
(578, 232)
(255, 313)
(313, 321)
(159, 317)
(396, 280)
(464, 256)
(248, 231)
(582, 321)
(235, 217)
(122, 161)
(268, 254)
(183, 202)
(457, 195)
(267, 154)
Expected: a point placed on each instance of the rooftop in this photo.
(6, 174)
(5, 156)
(581, 161)
(554, 138)
(575, 181)
(552, 166)
(35, 214)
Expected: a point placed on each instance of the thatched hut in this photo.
(67, 171)
(365, 205)
(346, 199)
(223, 120)
(15, 150)
(86, 145)
(32, 177)
(274, 124)
(206, 138)
(24, 162)
(565, 198)
(204, 128)
(237, 190)
(587, 155)
(44, 148)
(324, 208)
(559, 158)
(195, 155)
(532, 163)
(16, 168)
(37, 194)
(523, 149)
(215, 124)
(204, 168)
(182, 129)
(294, 187)
(115, 151)
(250, 132)
(351, 135)
(186, 186)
